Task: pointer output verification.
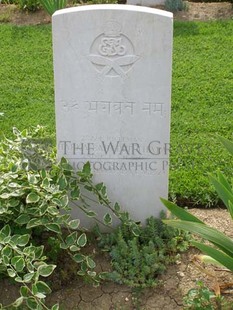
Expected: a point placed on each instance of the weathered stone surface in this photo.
(112, 68)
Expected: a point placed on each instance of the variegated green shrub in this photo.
(35, 194)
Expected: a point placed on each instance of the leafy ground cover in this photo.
(201, 97)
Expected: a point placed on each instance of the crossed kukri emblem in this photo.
(112, 53)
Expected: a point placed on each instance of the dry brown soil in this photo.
(179, 278)
(72, 293)
(195, 11)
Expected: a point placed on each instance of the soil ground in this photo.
(73, 294)
(179, 278)
(194, 11)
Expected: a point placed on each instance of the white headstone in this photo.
(150, 3)
(112, 68)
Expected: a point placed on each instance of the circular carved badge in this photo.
(112, 52)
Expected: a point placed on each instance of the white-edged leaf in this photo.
(46, 270)
(32, 198)
(74, 224)
(82, 240)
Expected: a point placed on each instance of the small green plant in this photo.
(201, 298)
(51, 6)
(29, 5)
(222, 253)
(175, 5)
(138, 260)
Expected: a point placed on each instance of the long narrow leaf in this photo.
(231, 208)
(47, 5)
(219, 256)
(222, 179)
(180, 212)
(227, 143)
(223, 242)
(222, 191)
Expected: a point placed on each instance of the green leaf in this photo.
(32, 198)
(45, 183)
(64, 200)
(18, 263)
(90, 213)
(117, 207)
(54, 227)
(219, 256)
(107, 219)
(62, 182)
(28, 277)
(53, 210)
(11, 273)
(71, 239)
(13, 202)
(24, 291)
(43, 288)
(55, 307)
(7, 251)
(32, 303)
(30, 267)
(23, 240)
(5, 195)
(82, 240)
(223, 192)
(74, 248)
(29, 251)
(136, 230)
(42, 208)
(43, 173)
(13, 185)
(18, 302)
(87, 169)
(223, 242)
(179, 212)
(57, 202)
(34, 289)
(75, 193)
(22, 219)
(90, 262)
(38, 251)
(99, 186)
(32, 179)
(91, 273)
(6, 231)
(7, 239)
(74, 224)
(5, 260)
(231, 208)
(46, 270)
(40, 295)
(78, 258)
(34, 223)
(222, 179)
(64, 246)
(19, 279)
(227, 143)
(88, 188)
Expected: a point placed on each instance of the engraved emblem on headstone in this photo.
(112, 52)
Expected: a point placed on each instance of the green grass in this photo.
(202, 107)
(26, 88)
(202, 104)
